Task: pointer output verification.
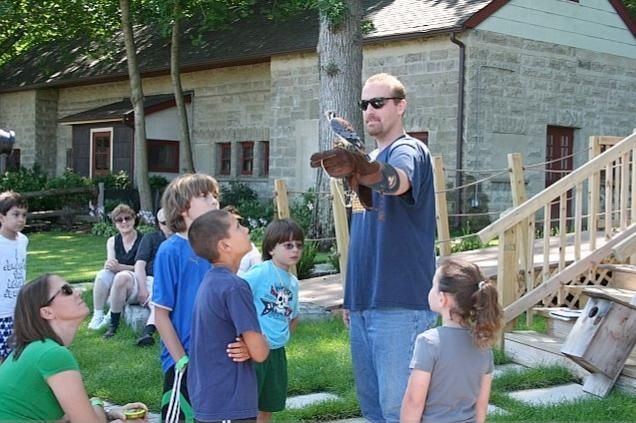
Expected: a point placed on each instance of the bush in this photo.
(105, 229)
(301, 210)
(117, 180)
(256, 213)
(306, 263)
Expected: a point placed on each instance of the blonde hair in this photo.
(176, 198)
(396, 86)
(122, 209)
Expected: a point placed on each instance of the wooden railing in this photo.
(606, 180)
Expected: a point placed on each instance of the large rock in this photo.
(136, 316)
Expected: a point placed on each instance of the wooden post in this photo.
(441, 208)
(341, 225)
(525, 228)
(507, 271)
(281, 198)
(593, 202)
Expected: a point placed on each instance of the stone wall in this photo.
(17, 112)
(45, 130)
(515, 88)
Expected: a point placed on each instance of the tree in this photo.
(137, 100)
(340, 76)
(631, 6)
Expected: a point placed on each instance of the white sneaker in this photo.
(98, 323)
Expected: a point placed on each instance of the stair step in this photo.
(623, 275)
(560, 320)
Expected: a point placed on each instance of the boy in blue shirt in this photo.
(275, 292)
(220, 389)
(178, 273)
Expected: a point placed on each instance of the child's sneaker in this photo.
(99, 322)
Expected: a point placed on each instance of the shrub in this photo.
(306, 263)
(105, 229)
(157, 182)
(117, 180)
(301, 209)
(256, 213)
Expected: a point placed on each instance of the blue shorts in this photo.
(6, 330)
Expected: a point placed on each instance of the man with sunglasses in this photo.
(391, 256)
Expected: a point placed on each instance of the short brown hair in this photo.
(10, 199)
(395, 85)
(278, 231)
(29, 326)
(176, 198)
(122, 209)
(206, 231)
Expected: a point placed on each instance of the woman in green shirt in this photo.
(40, 380)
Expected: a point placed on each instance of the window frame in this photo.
(224, 157)
(247, 159)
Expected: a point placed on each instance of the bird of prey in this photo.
(348, 137)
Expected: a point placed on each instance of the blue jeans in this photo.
(382, 344)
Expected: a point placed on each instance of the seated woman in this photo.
(41, 380)
(117, 279)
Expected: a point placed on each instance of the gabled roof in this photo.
(121, 111)
(252, 40)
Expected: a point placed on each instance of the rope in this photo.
(470, 184)
(556, 160)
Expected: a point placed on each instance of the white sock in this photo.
(99, 314)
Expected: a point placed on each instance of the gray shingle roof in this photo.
(251, 40)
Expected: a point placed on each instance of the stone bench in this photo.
(136, 317)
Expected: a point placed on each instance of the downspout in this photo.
(459, 146)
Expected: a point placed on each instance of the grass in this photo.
(318, 356)
(74, 256)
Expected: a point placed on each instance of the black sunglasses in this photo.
(65, 289)
(376, 102)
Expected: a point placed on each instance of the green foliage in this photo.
(301, 210)
(104, 229)
(466, 243)
(307, 260)
(255, 213)
(35, 179)
(117, 180)
(334, 258)
(157, 182)
(333, 10)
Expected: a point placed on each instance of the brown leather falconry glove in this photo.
(354, 167)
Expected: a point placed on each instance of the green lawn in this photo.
(74, 256)
(318, 356)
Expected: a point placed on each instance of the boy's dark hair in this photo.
(206, 231)
(475, 299)
(28, 325)
(176, 198)
(281, 230)
(9, 199)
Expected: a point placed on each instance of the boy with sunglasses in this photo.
(391, 252)
(13, 254)
(275, 292)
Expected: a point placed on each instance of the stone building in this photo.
(484, 78)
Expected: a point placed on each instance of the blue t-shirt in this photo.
(219, 388)
(178, 275)
(392, 247)
(275, 294)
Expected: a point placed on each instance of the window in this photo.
(224, 154)
(264, 159)
(163, 156)
(422, 136)
(13, 160)
(247, 157)
(101, 152)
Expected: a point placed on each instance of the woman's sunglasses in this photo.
(376, 102)
(65, 290)
(123, 219)
(289, 245)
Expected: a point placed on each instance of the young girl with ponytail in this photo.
(452, 364)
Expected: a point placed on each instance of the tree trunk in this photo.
(340, 75)
(137, 99)
(175, 74)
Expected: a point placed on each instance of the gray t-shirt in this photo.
(456, 366)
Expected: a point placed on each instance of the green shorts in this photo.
(272, 381)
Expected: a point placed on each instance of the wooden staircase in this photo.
(556, 285)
